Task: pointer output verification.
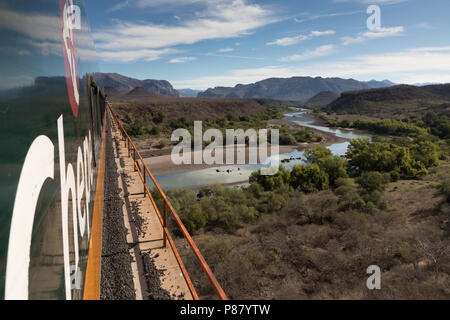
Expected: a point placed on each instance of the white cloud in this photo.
(133, 55)
(350, 40)
(289, 41)
(233, 56)
(44, 25)
(384, 32)
(119, 6)
(378, 33)
(225, 50)
(386, 2)
(328, 15)
(182, 59)
(153, 3)
(417, 65)
(408, 66)
(310, 54)
(158, 3)
(42, 38)
(382, 2)
(218, 21)
(322, 33)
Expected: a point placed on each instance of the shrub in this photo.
(287, 139)
(383, 157)
(374, 200)
(427, 153)
(395, 176)
(345, 186)
(390, 126)
(335, 167)
(352, 201)
(162, 144)
(315, 154)
(308, 178)
(160, 117)
(270, 183)
(444, 187)
(373, 181)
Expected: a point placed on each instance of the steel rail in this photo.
(163, 219)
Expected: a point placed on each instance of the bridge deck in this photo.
(154, 267)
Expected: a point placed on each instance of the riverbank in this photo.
(164, 165)
(160, 162)
(328, 138)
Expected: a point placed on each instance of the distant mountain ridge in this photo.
(380, 84)
(125, 84)
(294, 89)
(188, 92)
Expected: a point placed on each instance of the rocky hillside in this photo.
(323, 98)
(396, 100)
(140, 92)
(126, 84)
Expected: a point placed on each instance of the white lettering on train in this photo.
(39, 166)
(69, 24)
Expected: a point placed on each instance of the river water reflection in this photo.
(239, 174)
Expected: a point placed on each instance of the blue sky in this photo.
(206, 43)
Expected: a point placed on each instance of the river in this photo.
(239, 174)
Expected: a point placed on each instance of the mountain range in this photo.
(291, 89)
(124, 84)
(294, 89)
(188, 92)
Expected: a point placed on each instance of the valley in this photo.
(372, 190)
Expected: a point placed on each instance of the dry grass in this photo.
(309, 250)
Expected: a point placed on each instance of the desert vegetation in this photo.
(311, 232)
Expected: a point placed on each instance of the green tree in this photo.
(427, 153)
(308, 178)
(383, 157)
(273, 182)
(315, 154)
(335, 167)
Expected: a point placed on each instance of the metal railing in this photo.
(163, 219)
